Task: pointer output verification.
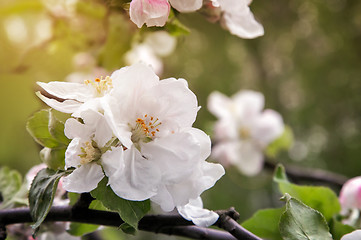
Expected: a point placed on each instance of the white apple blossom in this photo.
(243, 129)
(195, 212)
(156, 12)
(94, 152)
(153, 121)
(236, 16)
(355, 235)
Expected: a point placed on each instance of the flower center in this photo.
(244, 133)
(102, 85)
(89, 153)
(145, 129)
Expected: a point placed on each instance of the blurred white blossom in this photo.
(155, 46)
(243, 129)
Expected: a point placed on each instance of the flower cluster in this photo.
(243, 129)
(234, 15)
(137, 131)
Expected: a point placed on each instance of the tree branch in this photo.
(297, 174)
(167, 224)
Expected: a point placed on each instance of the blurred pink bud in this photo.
(350, 195)
(150, 12)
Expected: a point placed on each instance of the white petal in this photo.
(186, 5)
(238, 18)
(68, 106)
(151, 12)
(135, 179)
(100, 128)
(164, 199)
(72, 158)
(248, 104)
(208, 175)
(66, 90)
(245, 155)
(83, 179)
(204, 142)
(161, 42)
(171, 101)
(174, 155)
(195, 212)
(218, 104)
(267, 127)
(355, 235)
(74, 129)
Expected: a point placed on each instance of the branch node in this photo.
(231, 212)
(3, 233)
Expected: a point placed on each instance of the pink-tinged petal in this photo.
(350, 194)
(83, 179)
(267, 127)
(239, 20)
(131, 176)
(172, 102)
(186, 5)
(68, 106)
(150, 12)
(174, 154)
(355, 235)
(195, 212)
(65, 90)
(219, 105)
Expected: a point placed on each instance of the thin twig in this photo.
(297, 174)
(167, 224)
(227, 221)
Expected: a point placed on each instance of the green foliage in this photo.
(42, 192)
(175, 27)
(12, 190)
(338, 229)
(48, 131)
(264, 223)
(322, 199)
(80, 229)
(284, 142)
(130, 211)
(299, 222)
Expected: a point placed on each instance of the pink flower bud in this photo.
(350, 195)
(150, 12)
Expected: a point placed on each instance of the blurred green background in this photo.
(308, 66)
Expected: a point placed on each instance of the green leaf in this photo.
(284, 142)
(322, 199)
(130, 211)
(42, 193)
(10, 185)
(80, 229)
(56, 128)
(126, 228)
(53, 158)
(38, 127)
(300, 222)
(338, 229)
(264, 223)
